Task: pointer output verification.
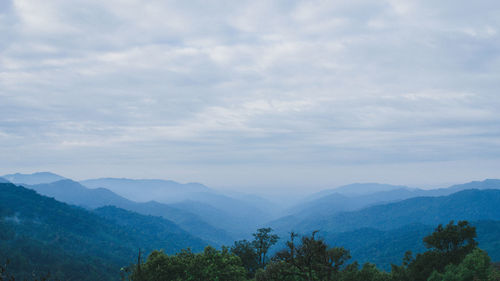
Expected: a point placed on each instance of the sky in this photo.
(252, 95)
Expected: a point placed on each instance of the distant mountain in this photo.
(237, 226)
(358, 189)
(74, 193)
(240, 210)
(464, 205)
(486, 184)
(330, 202)
(2, 180)
(143, 190)
(335, 203)
(35, 178)
(169, 192)
(39, 234)
(267, 206)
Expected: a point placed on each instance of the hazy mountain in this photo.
(73, 243)
(143, 190)
(237, 226)
(35, 178)
(244, 211)
(2, 180)
(464, 205)
(74, 193)
(334, 203)
(330, 202)
(486, 184)
(358, 189)
(267, 206)
(172, 192)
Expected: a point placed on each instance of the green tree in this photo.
(447, 245)
(454, 241)
(211, 264)
(263, 240)
(245, 250)
(311, 260)
(475, 266)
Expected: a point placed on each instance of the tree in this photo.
(311, 260)
(248, 255)
(454, 241)
(475, 266)
(211, 264)
(263, 240)
(447, 245)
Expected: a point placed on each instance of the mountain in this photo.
(464, 205)
(388, 247)
(72, 192)
(238, 227)
(336, 203)
(144, 190)
(170, 192)
(39, 234)
(486, 184)
(357, 189)
(35, 178)
(238, 209)
(2, 180)
(331, 202)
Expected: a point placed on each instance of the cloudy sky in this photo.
(252, 94)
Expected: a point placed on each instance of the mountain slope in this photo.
(388, 247)
(74, 193)
(144, 190)
(40, 233)
(35, 178)
(358, 189)
(329, 202)
(169, 192)
(464, 205)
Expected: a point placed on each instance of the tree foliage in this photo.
(211, 264)
(447, 245)
(253, 254)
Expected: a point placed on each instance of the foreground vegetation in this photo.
(452, 254)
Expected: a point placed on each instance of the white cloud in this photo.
(252, 82)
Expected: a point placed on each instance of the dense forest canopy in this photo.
(452, 254)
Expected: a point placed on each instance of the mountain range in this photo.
(72, 192)
(377, 222)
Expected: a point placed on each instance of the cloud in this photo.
(248, 83)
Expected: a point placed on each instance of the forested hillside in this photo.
(467, 204)
(72, 192)
(355, 197)
(41, 235)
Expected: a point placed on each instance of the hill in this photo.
(358, 196)
(464, 205)
(253, 212)
(143, 190)
(35, 178)
(358, 189)
(388, 247)
(39, 234)
(74, 193)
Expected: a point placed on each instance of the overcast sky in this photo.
(252, 94)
